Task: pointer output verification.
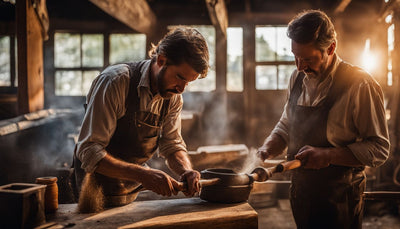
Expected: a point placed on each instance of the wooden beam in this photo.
(134, 13)
(30, 58)
(43, 16)
(218, 14)
(342, 6)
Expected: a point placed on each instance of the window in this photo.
(127, 48)
(274, 59)
(8, 51)
(78, 58)
(234, 80)
(209, 83)
(5, 65)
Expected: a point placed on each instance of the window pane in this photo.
(390, 38)
(284, 73)
(272, 44)
(234, 81)
(284, 45)
(266, 77)
(68, 83)
(88, 77)
(5, 76)
(265, 44)
(92, 50)
(16, 61)
(208, 83)
(67, 50)
(127, 47)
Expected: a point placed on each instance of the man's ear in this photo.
(332, 48)
(161, 60)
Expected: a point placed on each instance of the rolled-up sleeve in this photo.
(171, 140)
(105, 105)
(282, 128)
(369, 117)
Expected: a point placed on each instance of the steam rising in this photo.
(251, 162)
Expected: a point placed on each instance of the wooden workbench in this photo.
(192, 213)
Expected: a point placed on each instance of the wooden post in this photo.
(30, 58)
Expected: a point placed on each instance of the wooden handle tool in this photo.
(203, 183)
(262, 174)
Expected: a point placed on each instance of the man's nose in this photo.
(180, 88)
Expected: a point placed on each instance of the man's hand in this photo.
(191, 177)
(273, 145)
(314, 157)
(159, 182)
(263, 153)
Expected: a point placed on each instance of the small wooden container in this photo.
(51, 194)
(22, 205)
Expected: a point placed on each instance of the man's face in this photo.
(310, 60)
(172, 79)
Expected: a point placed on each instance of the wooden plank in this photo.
(134, 13)
(191, 213)
(218, 14)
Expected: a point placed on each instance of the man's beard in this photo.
(319, 73)
(161, 84)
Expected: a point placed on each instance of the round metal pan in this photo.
(231, 188)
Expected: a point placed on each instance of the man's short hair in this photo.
(312, 26)
(184, 44)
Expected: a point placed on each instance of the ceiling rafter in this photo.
(218, 14)
(136, 14)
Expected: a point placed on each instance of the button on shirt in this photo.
(357, 120)
(106, 104)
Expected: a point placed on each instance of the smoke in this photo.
(40, 146)
(251, 162)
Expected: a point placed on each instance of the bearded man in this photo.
(333, 122)
(132, 111)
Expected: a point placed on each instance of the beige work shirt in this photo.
(106, 104)
(357, 120)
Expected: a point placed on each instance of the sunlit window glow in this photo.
(368, 58)
(388, 19)
(391, 38)
(389, 74)
(390, 41)
(390, 79)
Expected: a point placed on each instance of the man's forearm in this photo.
(275, 145)
(343, 156)
(115, 168)
(179, 162)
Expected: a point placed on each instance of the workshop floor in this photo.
(280, 217)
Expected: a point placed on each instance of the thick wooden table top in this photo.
(190, 213)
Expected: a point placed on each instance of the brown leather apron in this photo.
(328, 197)
(135, 140)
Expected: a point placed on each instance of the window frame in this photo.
(106, 56)
(275, 63)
